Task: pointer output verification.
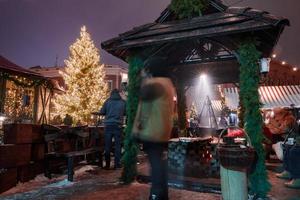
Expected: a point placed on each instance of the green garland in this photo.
(249, 83)
(241, 113)
(26, 82)
(188, 8)
(131, 149)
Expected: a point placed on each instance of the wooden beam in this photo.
(36, 104)
(2, 93)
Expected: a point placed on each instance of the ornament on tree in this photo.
(84, 76)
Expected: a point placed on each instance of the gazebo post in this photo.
(249, 84)
(131, 148)
(181, 108)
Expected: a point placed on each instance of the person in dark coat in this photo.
(114, 109)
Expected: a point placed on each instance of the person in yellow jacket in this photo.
(152, 126)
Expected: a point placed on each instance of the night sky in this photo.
(35, 32)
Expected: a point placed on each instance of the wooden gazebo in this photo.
(224, 42)
(24, 94)
(201, 43)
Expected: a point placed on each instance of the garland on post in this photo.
(130, 156)
(241, 113)
(188, 8)
(249, 83)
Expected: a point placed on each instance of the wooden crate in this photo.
(29, 172)
(38, 167)
(38, 152)
(8, 179)
(37, 134)
(12, 155)
(25, 173)
(22, 134)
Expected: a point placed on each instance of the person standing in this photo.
(152, 126)
(114, 109)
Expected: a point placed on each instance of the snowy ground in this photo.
(92, 182)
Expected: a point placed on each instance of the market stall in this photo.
(25, 95)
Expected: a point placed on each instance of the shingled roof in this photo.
(213, 37)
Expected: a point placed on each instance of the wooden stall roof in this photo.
(12, 68)
(213, 37)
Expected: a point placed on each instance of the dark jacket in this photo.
(114, 109)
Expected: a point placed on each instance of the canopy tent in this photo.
(270, 96)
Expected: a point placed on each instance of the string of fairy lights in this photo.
(294, 68)
(19, 96)
(16, 106)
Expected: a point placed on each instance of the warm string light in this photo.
(21, 81)
(285, 63)
(295, 69)
(13, 105)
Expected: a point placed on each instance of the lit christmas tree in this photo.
(84, 78)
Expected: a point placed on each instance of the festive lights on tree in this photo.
(86, 89)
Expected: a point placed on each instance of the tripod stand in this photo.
(211, 115)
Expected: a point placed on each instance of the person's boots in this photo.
(284, 175)
(157, 197)
(294, 183)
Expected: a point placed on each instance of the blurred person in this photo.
(114, 109)
(153, 125)
(233, 118)
(291, 162)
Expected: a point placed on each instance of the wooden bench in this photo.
(83, 144)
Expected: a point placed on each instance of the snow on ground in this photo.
(42, 181)
(91, 183)
(94, 183)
